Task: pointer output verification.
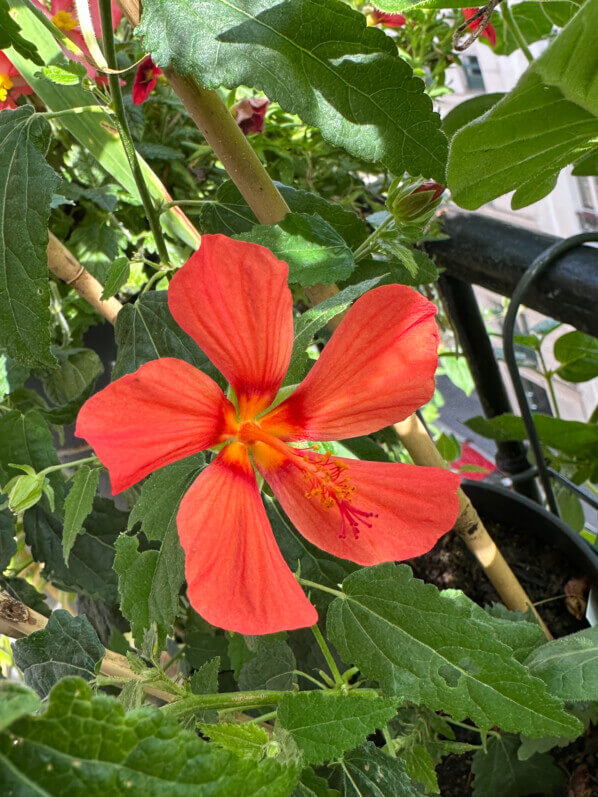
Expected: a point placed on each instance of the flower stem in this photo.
(242, 700)
(80, 109)
(304, 582)
(74, 464)
(512, 25)
(338, 679)
(124, 131)
(367, 246)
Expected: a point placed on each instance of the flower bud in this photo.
(409, 204)
(24, 492)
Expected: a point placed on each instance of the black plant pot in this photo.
(497, 503)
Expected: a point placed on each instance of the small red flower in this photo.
(232, 298)
(145, 80)
(376, 17)
(12, 85)
(251, 114)
(489, 31)
(471, 456)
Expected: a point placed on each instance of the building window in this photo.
(588, 195)
(472, 72)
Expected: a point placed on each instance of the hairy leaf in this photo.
(66, 646)
(12, 375)
(16, 700)
(118, 274)
(569, 665)
(149, 581)
(325, 724)
(545, 123)
(439, 649)
(26, 440)
(87, 744)
(353, 85)
(247, 740)
(78, 505)
(28, 184)
(272, 666)
(369, 771)
(467, 111)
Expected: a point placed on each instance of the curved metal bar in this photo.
(573, 487)
(536, 268)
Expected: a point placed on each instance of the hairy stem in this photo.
(242, 700)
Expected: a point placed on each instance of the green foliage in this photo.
(118, 274)
(8, 545)
(532, 21)
(351, 87)
(78, 505)
(146, 331)
(24, 211)
(66, 646)
(368, 771)
(499, 773)
(271, 666)
(578, 354)
(545, 123)
(99, 749)
(10, 36)
(246, 741)
(26, 440)
(568, 666)
(467, 111)
(440, 649)
(324, 724)
(16, 701)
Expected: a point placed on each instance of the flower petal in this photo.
(236, 576)
(402, 510)
(163, 412)
(232, 298)
(377, 369)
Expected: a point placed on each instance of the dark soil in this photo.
(544, 572)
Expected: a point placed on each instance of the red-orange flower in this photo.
(232, 298)
(12, 85)
(145, 80)
(377, 17)
(489, 31)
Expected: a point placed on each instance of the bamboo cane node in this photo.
(76, 277)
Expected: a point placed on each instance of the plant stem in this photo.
(241, 700)
(366, 247)
(338, 679)
(321, 587)
(389, 745)
(511, 23)
(80, 109)
(74, 464)
(271, 715)
(124, 131)
(548, 374)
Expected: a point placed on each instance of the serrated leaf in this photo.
(90, 562)
(439, 649)
(228, 213)
(546, 122)
(78, 505)
(499, 773)
(24, 213)
(204, 681)
(118, 274)
(325, 724)
(272, 666)
(10, 36)
(96, 245)
(369, 772)
(87, 744)
(149, 581)
(76, 375)
(314, 251)
(26, 440)
(519, 631)
(146, 331)
(569, 665)
(66, 646)
(245, 740)
(131, 695)
(314, 564)
(314, 319)
(353, 86)
(16, 700)
(420, 767)
(65, 76)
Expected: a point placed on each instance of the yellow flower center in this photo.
(6, 85)
(65, 21)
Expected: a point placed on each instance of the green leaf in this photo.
(8, 544)
(467, 111)
(353, 85)
(532, 22)
(457, 370)
(395, 272)
(23, 591)
(325, 724)
(420, 767)
(579, 354)
(11, 37)
(26, 440)
(499, 773)
(86, 744)
(12, 375)
(66, 646)
(519, 631)
(313, 249)
(146, 331)
(439, 649)
(96, 245)
(78, 505)
(314, 319)
(587, 165)
(299, 554)
(65, 76)
(246, 741)
(570, 437)
(118, 274)
(311, 785)
(204, 681)
(569, 665)
(369, 772)
(90, 563)
(271, 667)
(546, 122)
(16, 700)
(228, 213)
(76, 375)
(149, 581)
(24, 213)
